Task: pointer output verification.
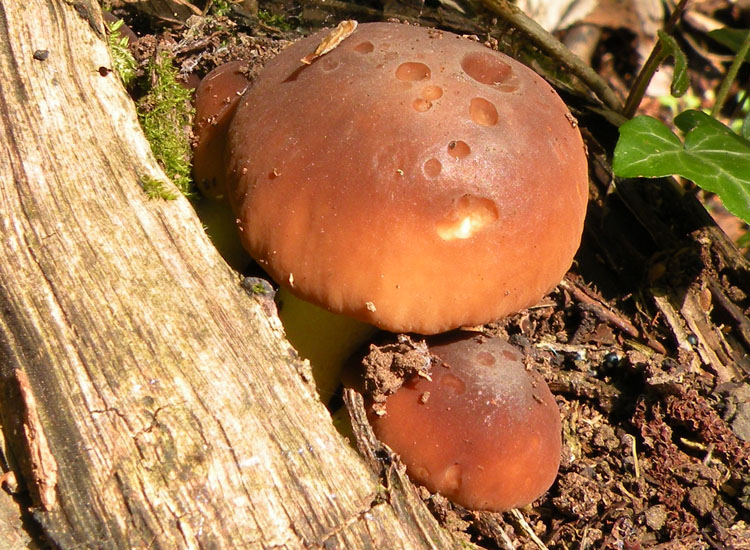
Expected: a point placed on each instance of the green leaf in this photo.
(746, 127)
(731, 38)
(712, 156)
(670, 48)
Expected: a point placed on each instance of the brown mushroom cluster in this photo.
(421, 182)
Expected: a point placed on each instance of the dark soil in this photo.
(645, 343)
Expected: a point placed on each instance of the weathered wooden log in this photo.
(149, 400)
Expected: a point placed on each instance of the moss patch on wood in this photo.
(165, 113)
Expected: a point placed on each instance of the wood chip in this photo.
(42, 463)
(333, 39)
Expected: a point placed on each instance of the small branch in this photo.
(726, 84)
(742, 323)
(21, 420)
(601, 311)
(634, 452)
(681, 322)
(353, 8)
(491, 525)
(548, 43)
(526, 528)
(640, 85)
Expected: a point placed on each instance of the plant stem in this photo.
(739, 59)
(640, 85)
(557, 49)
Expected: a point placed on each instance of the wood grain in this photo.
(177, 414)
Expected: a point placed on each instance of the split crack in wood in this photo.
(372, 501)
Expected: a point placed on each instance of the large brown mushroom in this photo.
(409, 178)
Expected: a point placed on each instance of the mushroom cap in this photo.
(484, 432)
(216, 99)
(409, 178)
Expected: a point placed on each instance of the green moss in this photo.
(277, 21)
(165, 114)
(123, 62)
(157, 189)
(259, 288)
(221, 8)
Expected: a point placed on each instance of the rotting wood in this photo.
(176, 412)
(20, 418)
(122, 445)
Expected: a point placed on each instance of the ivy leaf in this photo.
(670, 48)
(712, 156)
(731, 38)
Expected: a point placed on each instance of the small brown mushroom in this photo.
(216, 99)
(480, 428)
(409, 178)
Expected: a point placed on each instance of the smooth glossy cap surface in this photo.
(216, 99)
(484, 432)
(409, 178)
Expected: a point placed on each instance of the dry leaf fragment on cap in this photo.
(332, 39)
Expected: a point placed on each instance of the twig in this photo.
(367, 444)
(739, 59)
(709, 453)
(735, 312)
(638, 90)
(636, 466)
(557, 49)
(492, 525)
(678, 322)
(527, 529)
(601, 311)
(352, 8)
(741, 103)
(584, 542)
(505, 539)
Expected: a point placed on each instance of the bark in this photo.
(149, 401)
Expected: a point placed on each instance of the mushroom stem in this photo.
(219, 223)
(325, 339)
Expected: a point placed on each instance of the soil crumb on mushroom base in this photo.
(409, 178)
(387, 366)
